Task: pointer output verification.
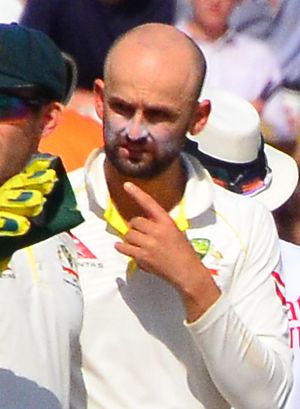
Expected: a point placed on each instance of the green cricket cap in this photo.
(29, 58)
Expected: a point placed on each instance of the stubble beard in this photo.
(149, 165)
(140, 169)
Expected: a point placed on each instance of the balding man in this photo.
(180, 304)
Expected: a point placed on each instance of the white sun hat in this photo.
(232, 149)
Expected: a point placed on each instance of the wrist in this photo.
(199, 292)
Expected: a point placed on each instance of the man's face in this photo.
(19, 138)
(147, 111)
(213, 14)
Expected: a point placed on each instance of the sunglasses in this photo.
(15, 108)
(243, 178)
(243, 183)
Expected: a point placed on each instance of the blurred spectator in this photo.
(276, 22)
(183, 10)
(233, 60)
(86, 28)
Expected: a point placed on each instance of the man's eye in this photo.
(156, 115)
(121, 109)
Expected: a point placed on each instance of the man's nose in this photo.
(136, 128)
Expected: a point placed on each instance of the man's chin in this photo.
(139, 168)
(135, 170)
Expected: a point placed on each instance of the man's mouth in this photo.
(132, 152)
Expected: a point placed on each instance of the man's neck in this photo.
(167, 189)
(209, 34)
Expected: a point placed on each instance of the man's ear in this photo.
(99, 97)
(51, 117)
(200, 118)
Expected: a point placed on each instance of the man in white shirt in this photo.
(239, 160)
(41, 300)
(176, 272)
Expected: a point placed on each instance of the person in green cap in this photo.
(41, 300)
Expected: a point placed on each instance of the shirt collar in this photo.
(198, 195)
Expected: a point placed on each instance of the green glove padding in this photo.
(36, 204)
(22, 196)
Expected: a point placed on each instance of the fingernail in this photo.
(128, 186)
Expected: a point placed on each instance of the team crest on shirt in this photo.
(69, 264)
(204, 248)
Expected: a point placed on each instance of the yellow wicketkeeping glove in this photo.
(23, 196)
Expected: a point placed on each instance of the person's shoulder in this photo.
(86, 179)
(289, 250)
(290, 254)
(52, 243)
(250, 219)
(181, 25)
(78, 182)
(253, 44)
(76, 178)
(76, 175)
(44, 253)
(238, 205)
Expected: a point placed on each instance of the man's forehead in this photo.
(148, 87)
(150, 70)
(135, 46)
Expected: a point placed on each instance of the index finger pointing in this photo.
(151, 208)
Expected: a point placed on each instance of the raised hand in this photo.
(159, 247)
